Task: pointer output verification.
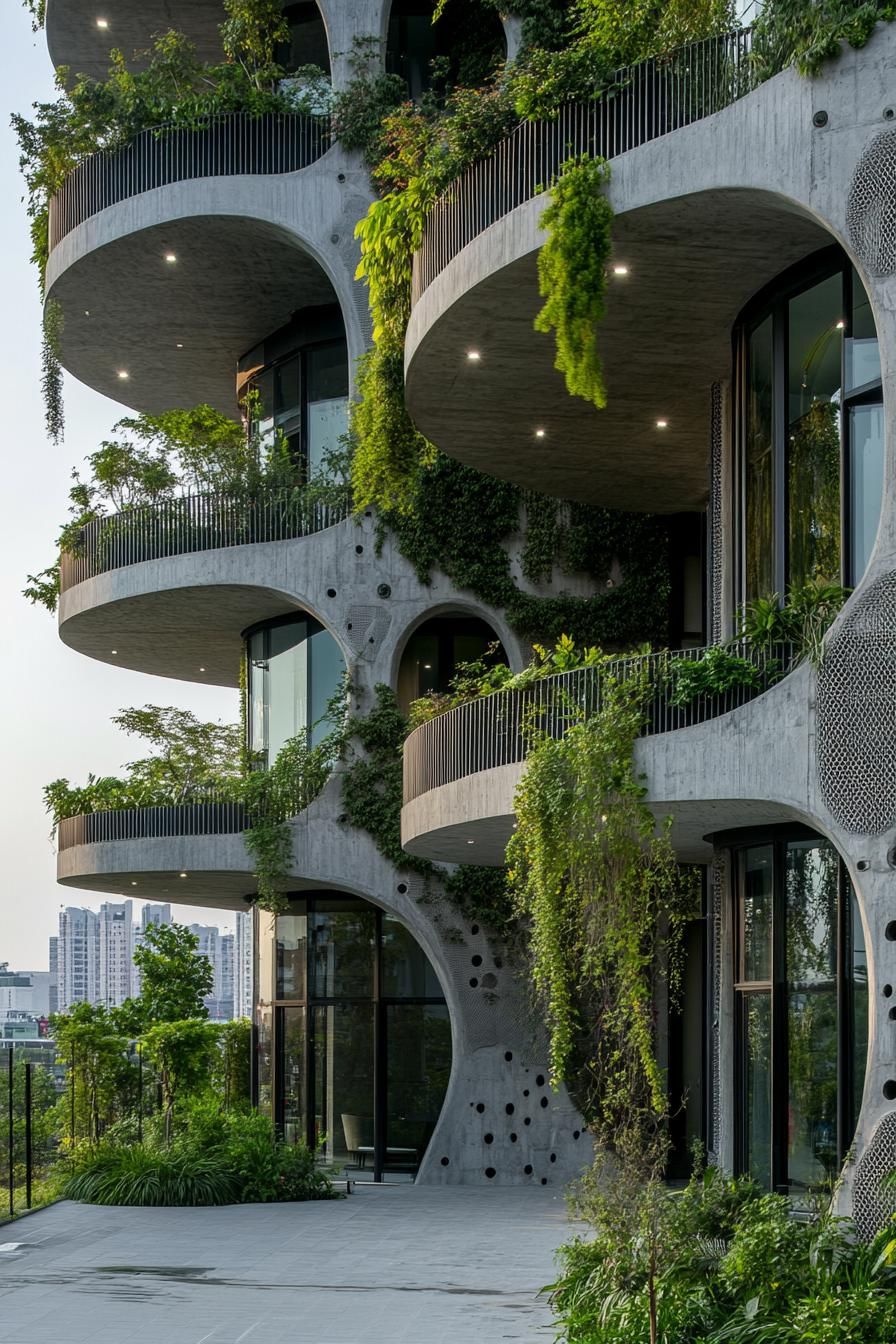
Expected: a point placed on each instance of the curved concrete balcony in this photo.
(715, 186)
(174, 255)
(189, 853)
(462, 769)
(169, 588)
(75, 37)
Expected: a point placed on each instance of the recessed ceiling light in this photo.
(86, 312)
(620, 270)
(841, 324)
(427, 667)
(539, 433)
(102, 23)
(202, 669)
(181, 874)
(170, 257)
(662, 424)
(471, 842)
(123, 373)
(114, 650)
(473, 356)
(133, 884)
(180, 345)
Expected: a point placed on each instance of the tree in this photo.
(100, 1075)
(184, 1055)
(175, 979)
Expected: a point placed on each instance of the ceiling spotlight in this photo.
(539, 433)
(180, 345)
(181, 874)
(620, 270)
(114, 650)
(841, 324)
(170, 257)
(102, 23)
(86, 312)
(123, 374)
(202, 669)
(133, 884)
(473, 356)
(471, 842)
(662, 424)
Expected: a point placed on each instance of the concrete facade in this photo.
(816, 748)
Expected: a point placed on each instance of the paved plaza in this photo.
(414, 1265)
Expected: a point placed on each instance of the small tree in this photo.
(183, 1054)
(89, 1041)
(175, 979)
(232, 1071)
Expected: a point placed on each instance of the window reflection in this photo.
(435, 650)
(295, 668)
(304, 396)
(866, 480)
(760, 541)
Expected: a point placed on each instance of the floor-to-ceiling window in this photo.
(439, 648)
(810, 430)
(303, 395)
(294, 670)
(354, 1038)
(800, 1008)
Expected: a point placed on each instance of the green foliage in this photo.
(388, 447)
(189, 757)
(174, 978)
(360, 110)
(183, 1054)
(794, 33)
(137, 1175)
(803, 620)
(720, 1263)
(233, 1071)
(599, 882)
(717, 672)
(51, 370)
(38, 11)
(100, 1076)
(572, 273)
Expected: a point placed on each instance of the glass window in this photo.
(307, 38)
(295, 668)
(435, 650)
(292, 954)
(862, 349)
(264, 1058)
(327, 403)
(757, 902)
(342, 950)
(759, 464)
(812, 879)
(343, 1081)
(418, 1066)
(866, 480)
(406, 970)
(305, 396)
(858, 1006)
(815, 339)
(293, 1034)
(757, 1026)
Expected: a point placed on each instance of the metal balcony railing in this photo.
(224, 145)
(205, 810)
(192, 523)
(641, 103)
(497, 729)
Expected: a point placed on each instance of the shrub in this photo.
(140, 1175)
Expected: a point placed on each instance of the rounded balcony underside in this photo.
(75, 40)
(176, 328)
(693, 262)
(219, 872)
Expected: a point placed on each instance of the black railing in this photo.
(224, 145)
(205, 810)
(642, 103)
(31, 1086)
(192, 523)
(496, 730)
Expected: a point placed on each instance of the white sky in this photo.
(54, 703)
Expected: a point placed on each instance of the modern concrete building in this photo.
(748, 342)
(115, 931)
(77, 958)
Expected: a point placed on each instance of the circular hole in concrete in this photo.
(553, 1157)
(402, 888)
(525, 1091)
(513, 1138)
(444, 1161)
(890, 1089)
(508, 1055)
(488, 1138)
(893, 1014)
(887, 991)
(480, 1107)
(477, 960)
(474, 982)
(544, 1180)
(528, 1120)
(474, 928)
(577, 1133)
(490, 1173)
(489, 981)
(544, 1102)
(510, 1108)
(539, 1081)
(359, 550)
(528, 1168)
(891, 931)
(331, 592)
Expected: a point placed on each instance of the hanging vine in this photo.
(598, 880)
(572, 273)
(51, 370)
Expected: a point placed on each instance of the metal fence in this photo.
(205, 811)
(224, 145)
(29, 1093)
(641, 103)
(192, 523)
(497, 729)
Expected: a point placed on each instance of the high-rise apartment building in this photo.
(53, 986)
(242, 965)
(745, 451)
(115, 932)
(78, 958)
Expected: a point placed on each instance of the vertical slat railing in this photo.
(497, 729)
(188, 524)
(640, 104)
(226, 144)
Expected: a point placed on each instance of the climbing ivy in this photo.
(597, 878)
(572, 273)
(51, 370)
(372, 801)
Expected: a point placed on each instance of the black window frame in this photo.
(773, 301)
(298, 443)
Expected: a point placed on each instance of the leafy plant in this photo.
(803, 620)
(716, 673)
(790, 32)
(572, 273)
(183, 1054)
(137, 1175)
(51, 370)
(174, 979)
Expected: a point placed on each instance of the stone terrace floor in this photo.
(409, 1264)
